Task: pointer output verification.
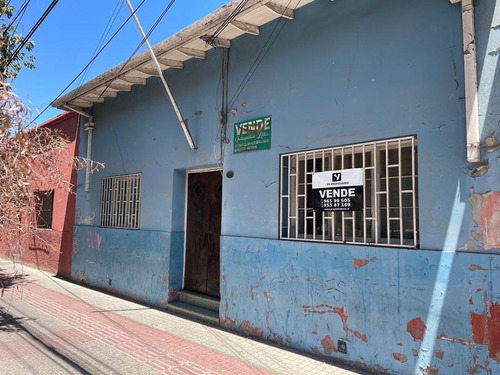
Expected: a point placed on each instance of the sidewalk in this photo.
(51, 326)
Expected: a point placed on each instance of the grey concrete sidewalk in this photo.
(262, 355)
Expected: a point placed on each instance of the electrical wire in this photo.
(104, 35)
(90, 62)
(20, 19)
(226, 22)
(32, 31)
(258, 60)
(167, 8)
(19, 13)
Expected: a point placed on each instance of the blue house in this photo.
(326, 175)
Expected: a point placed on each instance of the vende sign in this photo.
(340, 190)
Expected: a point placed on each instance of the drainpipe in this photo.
(88, 127)
(189, 138)
(470, 72)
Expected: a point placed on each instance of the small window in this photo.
(44, 202)
(120, 201)
(389, 216)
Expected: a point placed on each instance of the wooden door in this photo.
(204, 206)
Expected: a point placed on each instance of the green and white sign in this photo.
(252, 135)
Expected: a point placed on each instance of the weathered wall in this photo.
(51, 248)
(341, 72)
(397, 310)
(133, 263)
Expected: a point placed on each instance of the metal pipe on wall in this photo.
(88, 127)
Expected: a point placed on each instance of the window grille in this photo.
(390, 195)
(44, 203)
(120, 201)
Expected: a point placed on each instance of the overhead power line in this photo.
(19, 13)
(258, 60)
(89, 63)
(32, 31)
(105, 45)
(104, 35)
(226, 22)
(167, 8)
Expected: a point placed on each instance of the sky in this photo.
(67, 40)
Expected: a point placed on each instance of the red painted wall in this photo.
(52, 250)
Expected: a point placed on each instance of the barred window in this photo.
(120, 201)
(44, 203)
(389, 216)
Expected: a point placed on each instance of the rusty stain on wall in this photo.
(430, 370)
(228, 322)
(251, 329)
(416, 327)
(454, 340)
(341, 312)
(328, 346)
(400, 357)
(476, 367)
(476, 267)
(173, 295)
(439, 354)
(486, 215)
(486, 328)
(315, 350)
(357, 263)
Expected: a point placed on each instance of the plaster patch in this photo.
(486, 215)
(491, 143)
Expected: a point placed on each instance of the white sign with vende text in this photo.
(340, 190)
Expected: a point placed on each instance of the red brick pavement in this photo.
(160, 350)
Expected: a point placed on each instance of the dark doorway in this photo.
(204, 207)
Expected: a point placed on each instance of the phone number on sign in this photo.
(336, 203)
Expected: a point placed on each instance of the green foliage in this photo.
(10, 39)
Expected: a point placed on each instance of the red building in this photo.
(50, 250)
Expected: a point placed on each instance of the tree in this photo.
(10, 41)
(32, 160)
(28, 159)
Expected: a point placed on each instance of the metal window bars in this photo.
(120, 201)
(390, 201)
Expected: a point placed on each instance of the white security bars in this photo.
(120, 201)
(390, 197)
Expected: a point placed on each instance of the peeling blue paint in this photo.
(143, 265)
(342, 72)
(378, 299)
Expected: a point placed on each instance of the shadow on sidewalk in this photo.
(8, 280)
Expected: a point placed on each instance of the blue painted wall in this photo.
(341, 72)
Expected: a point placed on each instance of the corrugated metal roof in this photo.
(172, 52)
